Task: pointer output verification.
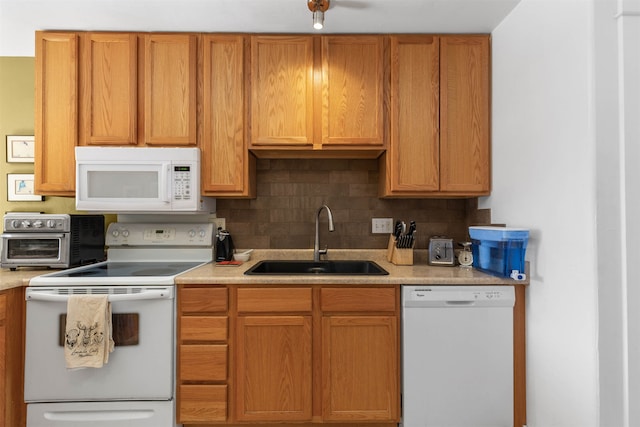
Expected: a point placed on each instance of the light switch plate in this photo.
(381, 225)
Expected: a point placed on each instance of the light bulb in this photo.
(318, 20)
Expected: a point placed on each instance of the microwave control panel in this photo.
(182, 182)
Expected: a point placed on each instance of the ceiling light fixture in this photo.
(318, 7)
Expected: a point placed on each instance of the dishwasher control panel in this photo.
(458, 296)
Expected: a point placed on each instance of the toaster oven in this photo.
(52, 240)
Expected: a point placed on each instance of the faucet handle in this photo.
(323, 251)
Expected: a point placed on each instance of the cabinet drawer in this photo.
(3, 307)
(203, 363)
(358, 299)
(203, 300)
(203, 328)
(202, 403)
(262, 300)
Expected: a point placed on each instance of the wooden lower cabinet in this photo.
(198, 402)
(273, 371)
(360, 368)
(203, 354)
(12, 406)
(298, 355)
(273, 374)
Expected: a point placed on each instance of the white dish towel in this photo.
(88, 332)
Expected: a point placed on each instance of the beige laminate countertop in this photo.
(418, 274)
(13, 279)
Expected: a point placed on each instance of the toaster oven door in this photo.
(35, 249)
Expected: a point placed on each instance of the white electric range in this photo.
(136, 388)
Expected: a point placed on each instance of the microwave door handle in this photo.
(146, 295)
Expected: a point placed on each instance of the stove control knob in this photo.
(203, 233)
(125, 233)
(115, 233)
(26, 223)
(51, 223)
(192, 233)
(38, 224)
(15, 223)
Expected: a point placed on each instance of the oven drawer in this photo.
(200, 403)
(139, 413)
(203, 362)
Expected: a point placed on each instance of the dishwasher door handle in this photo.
(460, 303)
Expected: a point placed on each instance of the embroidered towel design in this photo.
(88, 332)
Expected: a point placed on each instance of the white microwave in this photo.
(139, 179)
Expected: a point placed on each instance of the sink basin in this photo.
(288, 267)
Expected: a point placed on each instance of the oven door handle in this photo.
(146, 295)
(32, 236)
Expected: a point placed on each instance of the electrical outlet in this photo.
(219, 223)
(382, 225)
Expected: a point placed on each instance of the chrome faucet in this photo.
(316, 246)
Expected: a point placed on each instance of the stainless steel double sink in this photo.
(291, 267)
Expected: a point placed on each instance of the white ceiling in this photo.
(20, 18)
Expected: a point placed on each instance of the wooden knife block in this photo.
(399, 256)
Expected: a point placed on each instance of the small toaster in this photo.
(441, 251)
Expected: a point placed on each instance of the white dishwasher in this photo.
(457, 356)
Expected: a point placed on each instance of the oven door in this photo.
(35, 249)
(141, 366)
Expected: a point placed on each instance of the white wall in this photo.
(544, 178)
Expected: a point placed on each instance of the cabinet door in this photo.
(464, 114)
(56, 112)
(170, 75)
(3, 355)
(353, 90)
(360, 368)
(281, 90)
(227, 168)
(412, 161)
(273, 361)
(13, 410)
(109, 109)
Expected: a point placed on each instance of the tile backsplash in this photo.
(290, 191)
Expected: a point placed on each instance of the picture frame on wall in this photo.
(20, 149)
(20, 188)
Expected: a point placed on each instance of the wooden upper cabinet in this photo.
(413, 156)
(282, 90)
(439, 117)
(317, 93)
(56, 112)
(228, 169)
(464, 114)
(109, 101)
(353, 90)
(170, 74)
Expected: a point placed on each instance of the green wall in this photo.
(17, 118)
